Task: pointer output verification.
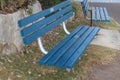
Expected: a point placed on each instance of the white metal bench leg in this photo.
(41, 46)
(65, 29)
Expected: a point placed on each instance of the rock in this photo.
(10, 37)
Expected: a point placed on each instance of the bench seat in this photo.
(68, 51)
(100, 14)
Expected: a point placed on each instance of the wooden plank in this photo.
(86, 9)
(102, 14)
(106, 14)
(41, 14)
(85, 6)
(98, 14)
(73, 48)
(62, 51)
(45, 21)
(84, 2)
(58, 46)
(93, 14)
(79, 52)
(87, 2)
(42, 31)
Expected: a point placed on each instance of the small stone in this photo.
(39, 75)
(9, 78)
(26, 61)
(10, 61)
(18, 75)
(1, 63)
(29, 72)
(0, 68)
(85, 54)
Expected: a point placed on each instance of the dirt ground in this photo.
(110, 71)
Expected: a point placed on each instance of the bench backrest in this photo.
(40, 23)
(85, 7)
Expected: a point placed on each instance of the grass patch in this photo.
(81, 20)
(23, 65)
(112, 25)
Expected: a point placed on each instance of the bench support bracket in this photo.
(65, 29)
(41, 46)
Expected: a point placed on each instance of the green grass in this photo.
(23, 65)
(81, 20)
(112, 25)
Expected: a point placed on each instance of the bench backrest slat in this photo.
(44, 21)
(41, 14)
(40, 23)
(38, 33)
(93, 14)
(85, 7)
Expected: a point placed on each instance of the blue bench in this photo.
(67, 51)
(98, 14)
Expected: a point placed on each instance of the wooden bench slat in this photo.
(98, 14)
(45, 21)
(39, 15)
(58, 46)
(86, 9)
(84, 2)
(106, 14)
(65, 48)
(85, 6)
(93, 14)
(102, 14)
(75, 57)
(73, 48)
(42, 31)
